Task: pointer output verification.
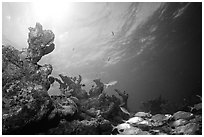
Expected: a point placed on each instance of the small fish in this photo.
(179, 122)
(73, 49)
(121, 126)
(145, 122)
(112, 83)
(155, 130)
(134, 120)
(124, 110)
(130, 131)
(143, 114)
(108, 58)
(199, 97)
(113, 33)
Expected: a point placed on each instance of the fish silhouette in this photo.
(110, 84)
(124, 110)
(113, 33)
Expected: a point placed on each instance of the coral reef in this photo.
(25, 83)
(72, 86)
(27, 108)
(26, 103)
(85, 127)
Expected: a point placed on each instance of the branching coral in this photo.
(64, 107)
(72, 86)
(97, 103)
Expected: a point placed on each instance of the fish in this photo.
(121, 126)
(131, 131)
(143, 114)
(112, 83)
(113, 33)
(199, 97)
(108, 58)
(134, 120)
(179, 122)
(124, 110)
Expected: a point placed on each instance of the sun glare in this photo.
(51, 11)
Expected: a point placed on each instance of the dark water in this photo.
(173, 68)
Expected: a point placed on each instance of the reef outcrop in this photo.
(25, 83)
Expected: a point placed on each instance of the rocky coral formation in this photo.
(71, 86)
(40, 43)
(93, 104)
(29, 109)
(25, 83)
(26, 103)
(93, 126)
(64, 107)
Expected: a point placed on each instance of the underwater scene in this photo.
(101, 68)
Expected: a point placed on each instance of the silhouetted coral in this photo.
(98, 89)
(72, 85)
(40, 43)
(25, 83)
